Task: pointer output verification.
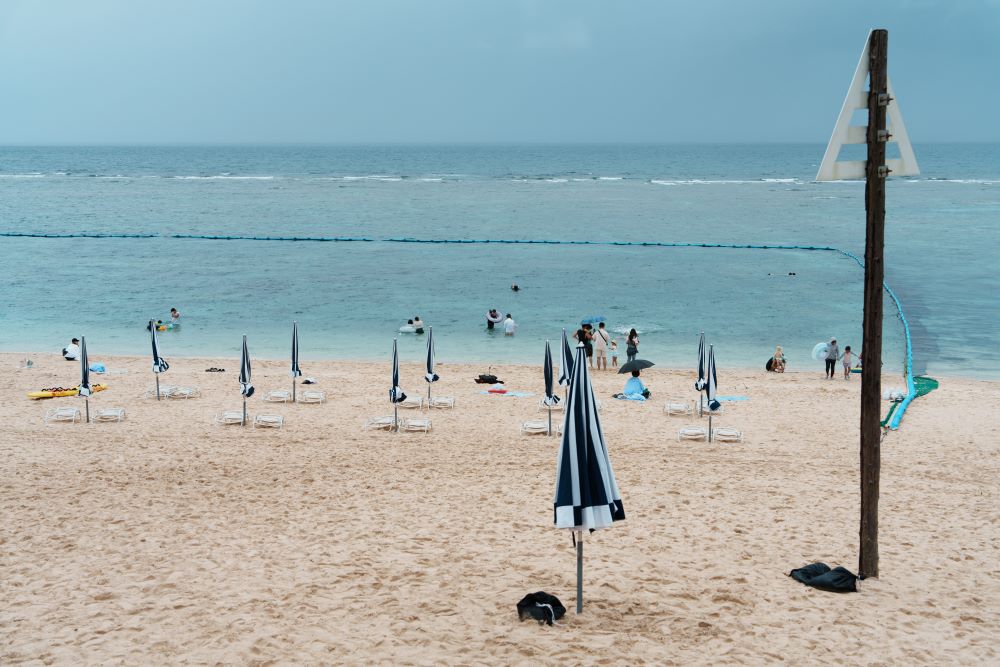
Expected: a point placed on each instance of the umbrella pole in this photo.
(710, 425)
(395, 416)
(244, 422)
(550, 420)
(579, 572)
(157, 375)
(87, 401)
(293, 390)
(428, 395)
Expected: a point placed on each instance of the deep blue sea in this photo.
(942, 230)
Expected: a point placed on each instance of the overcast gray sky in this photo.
(315, 71)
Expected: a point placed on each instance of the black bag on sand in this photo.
(488, 379)
(542, 607)
(819, 575)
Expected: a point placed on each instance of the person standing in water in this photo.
(418, 324)
(492, 318)
(174, 316)
(509, 326)
(632, 345)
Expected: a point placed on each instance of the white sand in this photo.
(166, 539)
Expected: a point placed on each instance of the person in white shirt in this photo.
(72, 351)
(509, 326)
(601, 340)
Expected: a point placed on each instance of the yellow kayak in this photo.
(74, 391)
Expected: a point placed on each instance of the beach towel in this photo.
(819, 575)
(542, 607)
(629, 397)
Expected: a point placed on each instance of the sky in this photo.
(483, 71)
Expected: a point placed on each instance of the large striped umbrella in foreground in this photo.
(85, 388)
(245, 387)
(295, 371)
(430, 375)
(587, 496)
(160, 364)
(396, 394)
(710, 388)
(550, 400)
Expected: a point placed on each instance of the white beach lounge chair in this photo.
(380, 424)
(540, 427)
(165, 390)
(675, 408)
(110, 415)
(558, 407)
(183, 392)
(312, 396)
(705, 410)
(723, 434)
(692, 433)
(420, 424)
(268, 421)
(229, 417)
(277, 396)
(412, 403)
(442, 402)
(63, 415)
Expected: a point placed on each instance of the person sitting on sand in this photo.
(418, 324)
(635, 387)
(72, 351)
(778, 360)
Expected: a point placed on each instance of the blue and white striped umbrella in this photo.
(711, 382)
(700, 383)
(550, 398)
(246, 388)
(85, 388)
(396, 394)
(565, 362)
(160, 364)
(295, 370)
(430, 376)
(586, 496)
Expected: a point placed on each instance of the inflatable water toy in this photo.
(54, 392)
(165, 327)
(819, 351)
(407, 328)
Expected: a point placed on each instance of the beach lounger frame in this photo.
(277, 396)
(447, 402)
(268, 421)
(387, 423)
(692, 433)
(677, 408)
(418, 424)
(63, 414)
(109, 415)
(182, 392)
(312, 396)
(540, 427)
(229, 417)
(729, 435)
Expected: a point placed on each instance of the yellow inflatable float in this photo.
(60, 391)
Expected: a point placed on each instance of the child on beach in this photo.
(848, 358)
(613, 346)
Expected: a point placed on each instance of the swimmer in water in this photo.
(515, 288)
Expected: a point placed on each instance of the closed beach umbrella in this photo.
(295, 370)
(85, 388)
(565, 362)
(430, 375)
(700, 382)
(396, 394)
(710, 388)
(550, 399)
(245, 387)
(160, 364)
(587, 496)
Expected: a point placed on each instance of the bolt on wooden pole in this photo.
(871, 374)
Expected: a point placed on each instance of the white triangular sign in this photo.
(845, 133)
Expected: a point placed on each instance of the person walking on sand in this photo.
(832, 354)
(601, 340)
(632, 345)
(848, 358)
(585, 336)
(509, 326)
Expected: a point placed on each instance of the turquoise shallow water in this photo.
(350, 297)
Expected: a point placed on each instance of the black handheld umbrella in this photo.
(635, 365)
(295, 370)
(587, 496)
(85, 388)
(160, 364)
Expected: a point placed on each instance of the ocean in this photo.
(942, 233)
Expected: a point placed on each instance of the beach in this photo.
(167, 539)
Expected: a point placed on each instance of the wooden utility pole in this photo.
(871, 349)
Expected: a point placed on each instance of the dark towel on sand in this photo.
(819, 575)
